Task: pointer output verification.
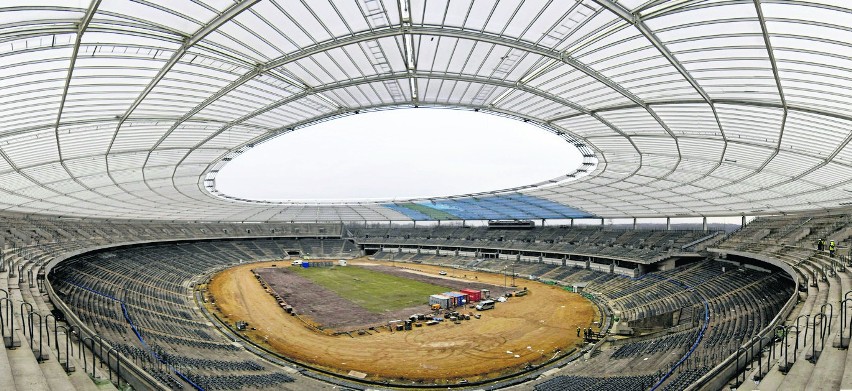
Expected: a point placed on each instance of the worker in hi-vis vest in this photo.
(832, 249)
(820, 245)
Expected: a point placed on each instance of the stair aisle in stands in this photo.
(28, 372)
(773, 378)
(801, 371)
(7, 382)
(79, 378)
(832, 361)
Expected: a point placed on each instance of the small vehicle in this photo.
(443, 273)
(485, 305)
(521, 293)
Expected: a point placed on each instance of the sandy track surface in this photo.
(531, 327)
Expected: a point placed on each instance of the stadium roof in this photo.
(127, 109)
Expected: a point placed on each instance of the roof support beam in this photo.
(217, 22)
(83, 25)
(771, 52)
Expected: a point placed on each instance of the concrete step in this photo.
(82, 376)
(26, 370)
(800, 374)
(51, 375)
(826, 374)
(7, 381)
(82, 382)
(56, 377)
(772, 378)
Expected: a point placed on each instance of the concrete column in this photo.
(415, 223)
(743, 221)
(704, 223)
(634, 223)
(572, 222)
(602, 222)
(668, 223)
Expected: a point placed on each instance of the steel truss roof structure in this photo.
(127, 109)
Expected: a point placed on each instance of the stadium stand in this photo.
(30, 245)
(118, 119)
(736, 298)
(792, 240)
(101, 287)
(627, 245)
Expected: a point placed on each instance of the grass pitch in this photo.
(374, 291)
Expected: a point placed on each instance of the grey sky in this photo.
(399, 154)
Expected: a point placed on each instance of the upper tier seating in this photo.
(602, 242)
(739, 302)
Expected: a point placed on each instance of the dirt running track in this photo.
(532, 327)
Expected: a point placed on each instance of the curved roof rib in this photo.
(128, 109)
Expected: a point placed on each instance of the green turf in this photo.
(372, 290)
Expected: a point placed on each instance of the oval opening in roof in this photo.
(398, 154)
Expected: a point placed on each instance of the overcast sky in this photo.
(400, 153)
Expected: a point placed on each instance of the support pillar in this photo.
(634, 223)
(572, 222)
(704, 223)
(668, 223)
(743, 221)
(602, 222)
